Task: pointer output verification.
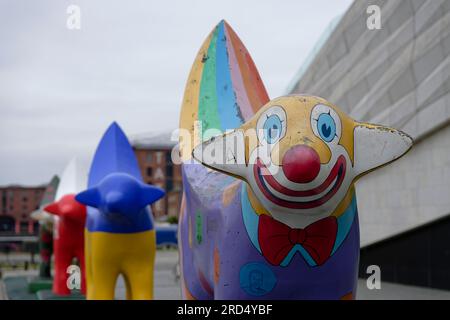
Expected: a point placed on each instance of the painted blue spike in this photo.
(228, 109)
(89, 197)
(114, 154)
(117, 198)
(151, 194)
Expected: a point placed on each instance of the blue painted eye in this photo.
(326, 127)
(272, 128)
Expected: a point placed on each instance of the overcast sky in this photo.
(61, 88)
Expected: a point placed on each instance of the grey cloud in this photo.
(60, 89)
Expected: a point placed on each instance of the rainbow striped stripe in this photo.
(224, 88)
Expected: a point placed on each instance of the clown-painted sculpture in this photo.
(68, 234)
(287, 227)
(46, 229)
(120, 235)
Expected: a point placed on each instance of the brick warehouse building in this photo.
(16, 204)
(153, 152)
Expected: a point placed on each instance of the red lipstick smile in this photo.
(337, 174)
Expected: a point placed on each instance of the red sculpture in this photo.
(68, 241)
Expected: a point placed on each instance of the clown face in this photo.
(300, 155)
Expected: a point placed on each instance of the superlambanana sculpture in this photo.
(120, 234)
(287, 227)
(68, 234)
(46, 229)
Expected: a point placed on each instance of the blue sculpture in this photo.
(120, 234)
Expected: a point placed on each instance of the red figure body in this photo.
(68, 240)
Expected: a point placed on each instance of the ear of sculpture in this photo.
(38, 215)
(376, 146)
(224, 65)
(225, 153)
(89, 197)
(150, 194)
(66, 207)
(53, 208)
(147, 194)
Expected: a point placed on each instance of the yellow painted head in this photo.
(301, 154)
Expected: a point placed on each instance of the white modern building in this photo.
(398, 76)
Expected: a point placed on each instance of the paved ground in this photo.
(393, 291)
(3, 295)
(166, 282)
(167, 285)
(16, 257)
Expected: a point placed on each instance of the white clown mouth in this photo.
(334, 179)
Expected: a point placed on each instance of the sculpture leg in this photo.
(63, 259)
(88, 265)
(104, 262)
(348, 296)
(127, 287)
(82, 262)
(46, 249)
(139, 267)
(141, 283)
(105, 281)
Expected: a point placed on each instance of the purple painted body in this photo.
(223, 229)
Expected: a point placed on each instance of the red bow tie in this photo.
(276, 239)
